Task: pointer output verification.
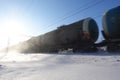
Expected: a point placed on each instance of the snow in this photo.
(99, 66)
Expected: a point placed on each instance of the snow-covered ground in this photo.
(104, 66)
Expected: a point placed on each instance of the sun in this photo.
(13, 29)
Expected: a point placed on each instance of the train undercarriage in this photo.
(111, 45)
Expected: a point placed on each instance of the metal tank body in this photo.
(70, 36)
(78, 36)
(111, 23)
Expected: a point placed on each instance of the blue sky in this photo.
(35, 17)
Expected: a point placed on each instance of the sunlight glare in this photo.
(12, 28)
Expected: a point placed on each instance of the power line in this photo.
(75, 13)
(70, 12)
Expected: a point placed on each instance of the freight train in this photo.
(79, 36)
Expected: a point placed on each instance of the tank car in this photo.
(111, 29)
(111, 23)
(78, 36)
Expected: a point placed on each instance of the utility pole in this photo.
(8, 42)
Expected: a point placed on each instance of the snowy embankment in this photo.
(60, 67)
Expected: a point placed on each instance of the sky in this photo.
(22, 19)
